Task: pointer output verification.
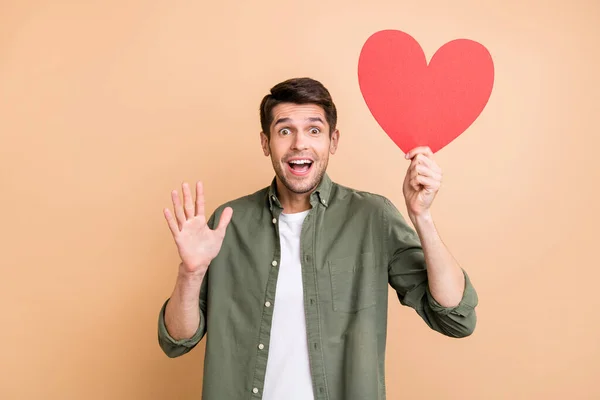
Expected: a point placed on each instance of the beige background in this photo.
(106, 106)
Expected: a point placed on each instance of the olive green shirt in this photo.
(353, 244)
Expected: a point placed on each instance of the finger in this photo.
(420, 161)
(419, 150)
(413, 174)
(178, 208)
(414, 183)
(415, 167)
(426, 171)
(224, 220)
(412, 165)
(171, 222)
(428, 161)
(425, 182)
(412, 170)
(199, 199)
(423, 159)
(188, 203)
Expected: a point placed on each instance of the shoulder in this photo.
(346, 195)
(252, 200)
(245, 205)
(355, 202)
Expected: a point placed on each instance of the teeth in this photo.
(300, 162)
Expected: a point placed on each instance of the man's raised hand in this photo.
(197, 244)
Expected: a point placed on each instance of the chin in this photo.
(302, 184)
(302, 188)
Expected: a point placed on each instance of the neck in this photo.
(292, 202)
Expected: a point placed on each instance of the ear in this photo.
(264, 143)
(333, 143)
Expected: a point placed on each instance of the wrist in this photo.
(194, 276)
(188, 287)
(422, 219)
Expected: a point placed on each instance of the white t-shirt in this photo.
(288, 371)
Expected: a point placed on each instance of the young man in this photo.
(290, 283)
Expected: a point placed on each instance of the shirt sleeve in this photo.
(407, 274)
(175, 348)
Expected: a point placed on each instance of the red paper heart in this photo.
(418, 104)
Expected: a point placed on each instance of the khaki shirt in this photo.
(353, 245)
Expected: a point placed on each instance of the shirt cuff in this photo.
(164, 334)
(464, 308)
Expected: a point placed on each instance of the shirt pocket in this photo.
(353, 280)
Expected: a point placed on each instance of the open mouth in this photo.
(300, 167)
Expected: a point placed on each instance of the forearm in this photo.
(445, 276)
(182, 313)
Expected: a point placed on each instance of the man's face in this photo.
(299, 145)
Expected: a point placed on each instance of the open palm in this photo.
(196, 242)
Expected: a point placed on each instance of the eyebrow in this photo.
(282, 120)
(311, 119)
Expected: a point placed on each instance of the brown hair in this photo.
(297, 91)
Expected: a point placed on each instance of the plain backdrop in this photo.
(106, 106)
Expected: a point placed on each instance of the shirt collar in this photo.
(319, 195)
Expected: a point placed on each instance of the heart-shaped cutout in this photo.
(417, 104)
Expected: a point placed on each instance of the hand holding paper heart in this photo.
(418, 104)
(422, 181)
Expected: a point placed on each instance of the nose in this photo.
(300, 141)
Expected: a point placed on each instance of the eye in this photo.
(285, 131)
(315, 131)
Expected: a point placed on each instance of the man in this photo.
(290, 283)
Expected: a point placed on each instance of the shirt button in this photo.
(268, 304)
(274, 220)
(261, 346)
(324, 202)
(255, 390)
(274, 263)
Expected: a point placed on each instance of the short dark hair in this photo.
(297, 91)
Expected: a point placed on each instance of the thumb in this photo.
(225, 219)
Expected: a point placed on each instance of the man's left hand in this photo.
(422, 182)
